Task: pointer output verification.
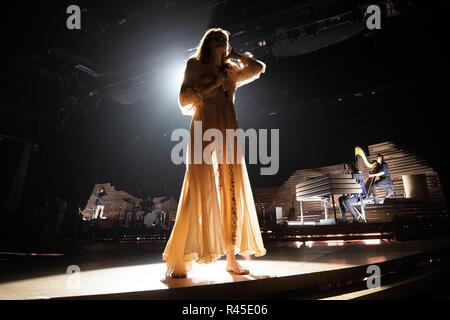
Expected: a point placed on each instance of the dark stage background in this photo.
(390, 84)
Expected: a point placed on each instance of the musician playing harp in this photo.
(384, 179)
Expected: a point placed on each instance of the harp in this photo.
(373, 166)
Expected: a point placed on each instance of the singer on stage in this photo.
(216, 213)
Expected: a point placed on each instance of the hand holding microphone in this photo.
(233, 55)
(204, 90)
(222, 79)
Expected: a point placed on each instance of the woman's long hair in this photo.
(204, 50)
(351, 168)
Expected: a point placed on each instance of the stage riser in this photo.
(401, 162)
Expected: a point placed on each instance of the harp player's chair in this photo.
(362, 197)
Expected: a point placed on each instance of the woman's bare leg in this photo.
(179, 275)
(234, 266)
(179, 272)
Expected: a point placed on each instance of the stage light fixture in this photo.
(87, 70)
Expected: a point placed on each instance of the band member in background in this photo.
(384, 179)
(347, 202)
(52, 226)
(100, 200)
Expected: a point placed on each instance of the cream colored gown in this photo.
(216, 212)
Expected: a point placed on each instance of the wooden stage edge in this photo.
(269, 288)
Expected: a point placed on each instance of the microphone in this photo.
(224, 86)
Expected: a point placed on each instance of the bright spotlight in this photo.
(178, 75)
(174, 77)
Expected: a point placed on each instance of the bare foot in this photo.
(236, 268)
(179, 275)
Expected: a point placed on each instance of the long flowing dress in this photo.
(216, 212)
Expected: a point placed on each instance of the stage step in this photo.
(419, 284)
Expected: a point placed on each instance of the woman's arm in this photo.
(250, 69)
(192, 93)
(203, 91)
(188, 96)
(377, 174)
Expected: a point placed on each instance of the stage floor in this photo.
(131, 270)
